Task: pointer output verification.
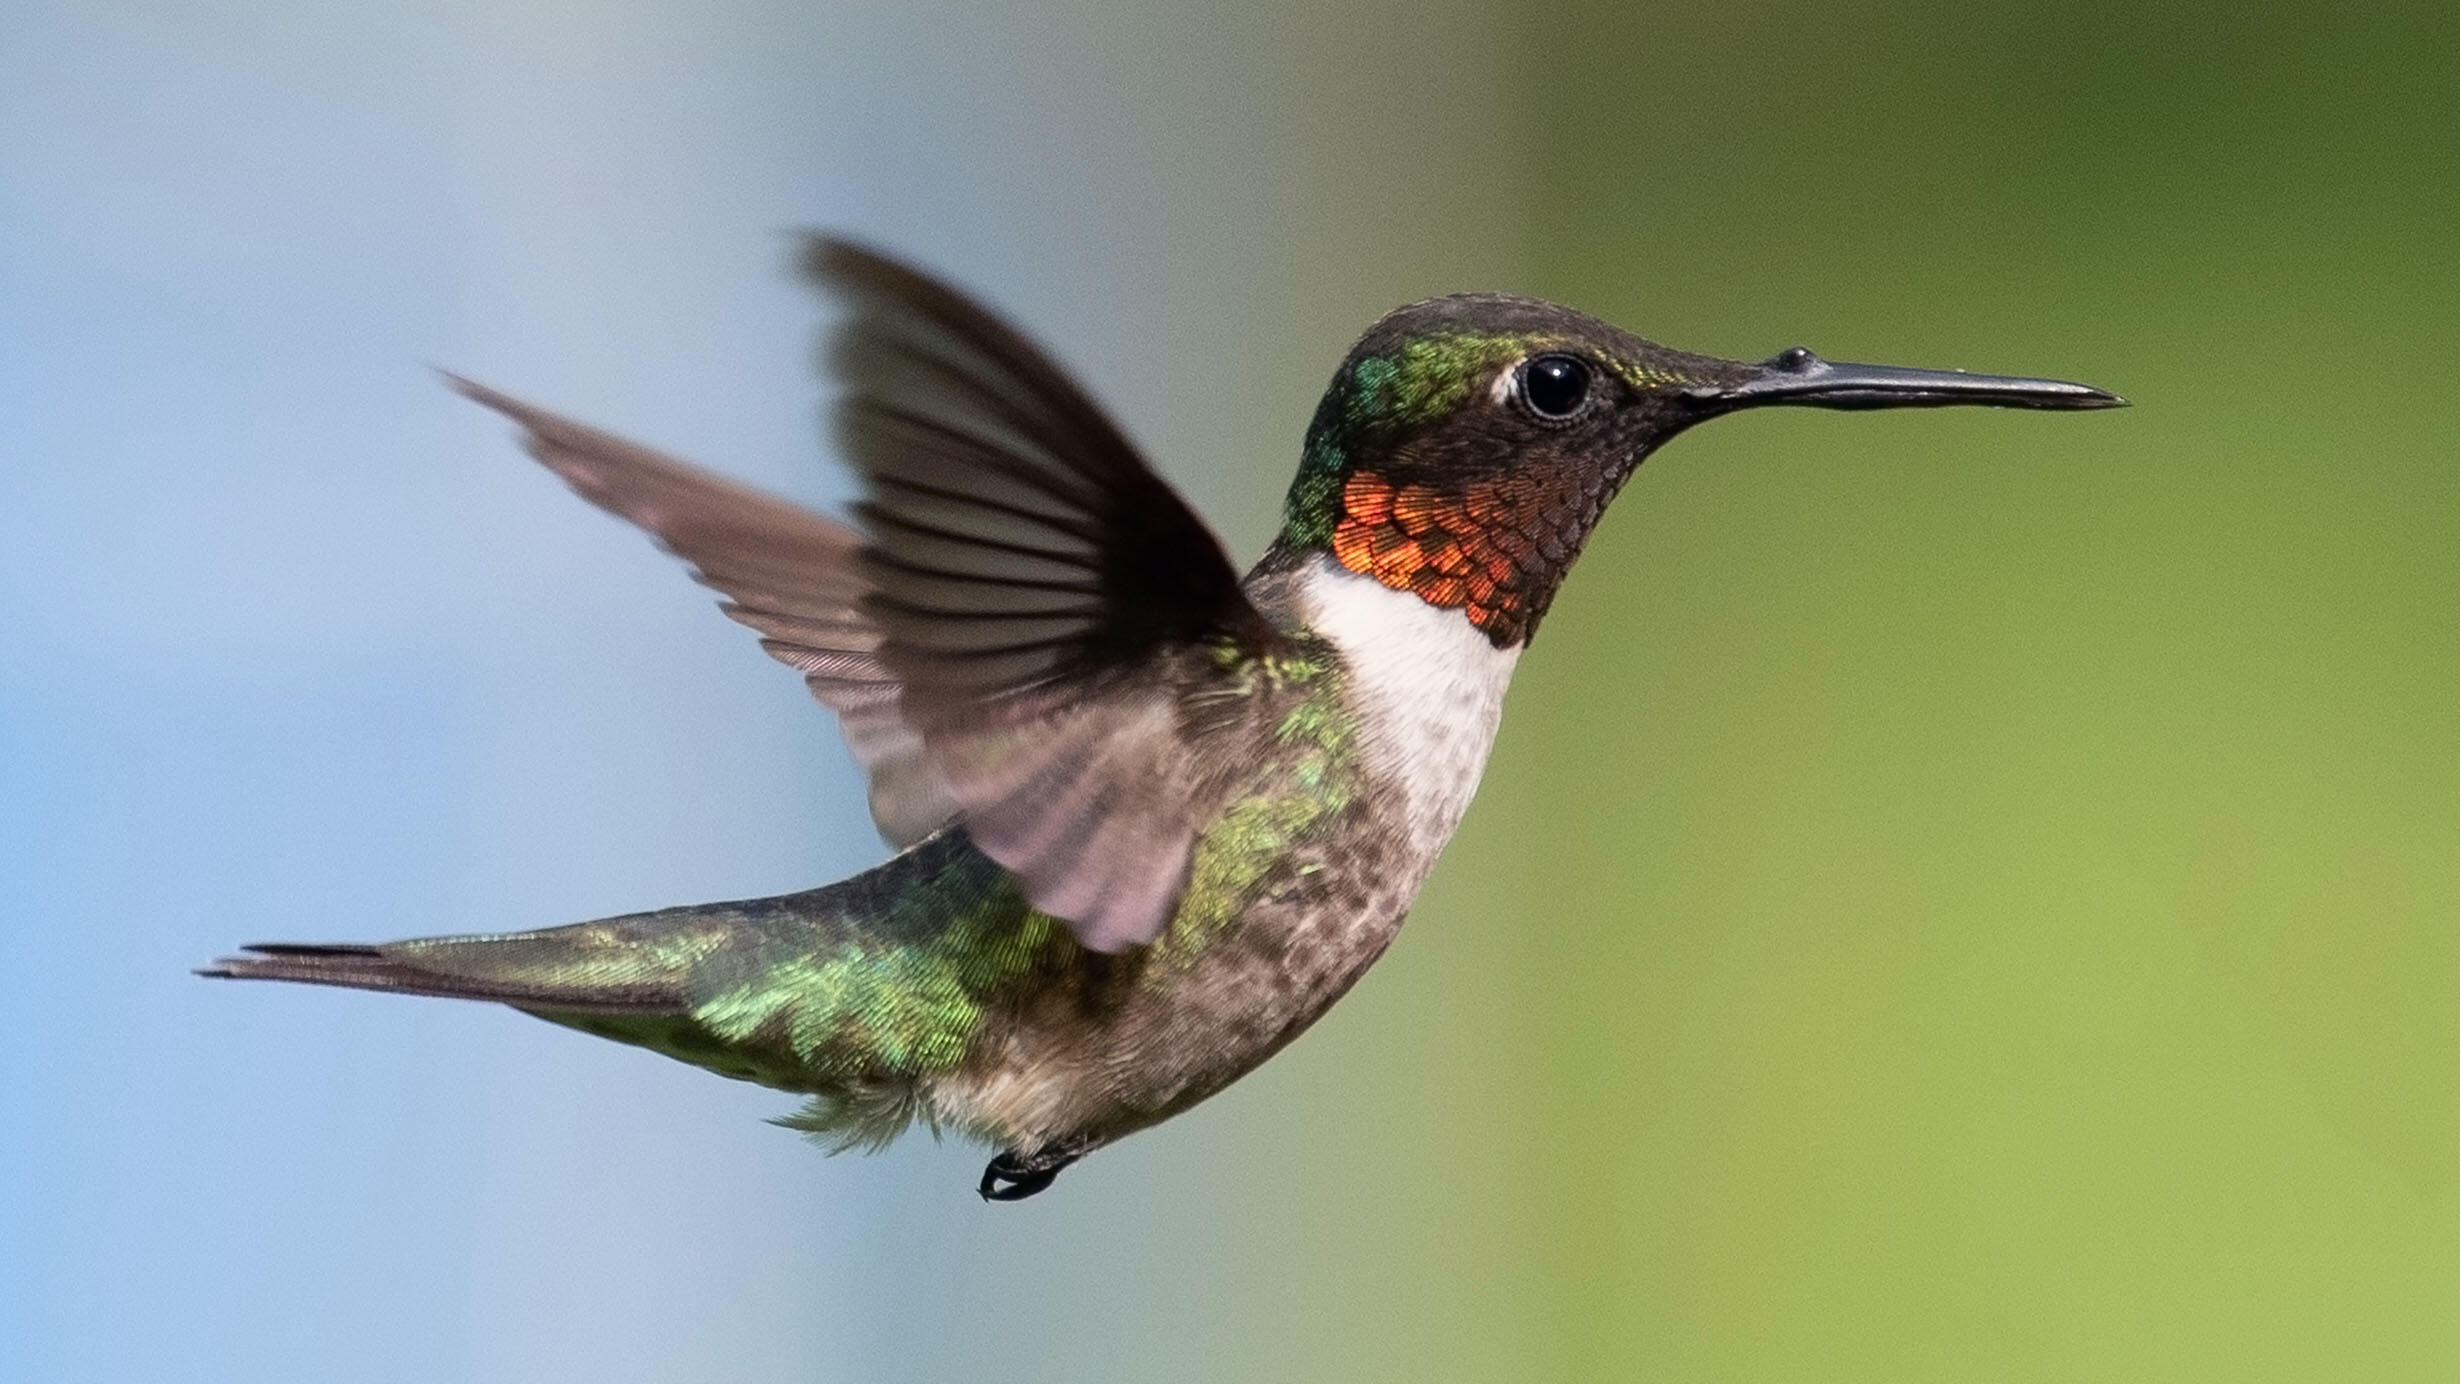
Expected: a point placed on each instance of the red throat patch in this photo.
(1495, 549)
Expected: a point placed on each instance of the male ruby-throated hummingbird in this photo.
(1151, 818)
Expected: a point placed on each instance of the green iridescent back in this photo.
(891, 976)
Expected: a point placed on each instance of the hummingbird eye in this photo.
(1554, 387)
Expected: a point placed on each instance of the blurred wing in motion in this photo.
(1026, 564)
(792, 575)
(981, 640)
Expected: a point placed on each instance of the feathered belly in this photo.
(1141, 1037)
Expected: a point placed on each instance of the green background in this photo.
(1958, 895)
(1970, 896)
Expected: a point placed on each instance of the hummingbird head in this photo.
(1468, 444)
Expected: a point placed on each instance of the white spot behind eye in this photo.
(1500, 392)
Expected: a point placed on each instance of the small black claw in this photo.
(1011, 1178)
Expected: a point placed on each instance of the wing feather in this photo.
(1025, 563)
(1018, 564)
(793, 576)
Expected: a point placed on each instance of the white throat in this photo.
(1427, 684)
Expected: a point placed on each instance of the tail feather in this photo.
(544, 970)
(858, 994)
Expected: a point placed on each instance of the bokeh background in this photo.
(1958, 896)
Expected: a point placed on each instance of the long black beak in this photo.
(1796, 376)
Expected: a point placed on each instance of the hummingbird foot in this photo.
(1013, 1176)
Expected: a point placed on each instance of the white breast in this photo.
(1428, 684)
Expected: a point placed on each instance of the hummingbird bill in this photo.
(1150, 817)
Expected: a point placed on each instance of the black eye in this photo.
(1555, 386)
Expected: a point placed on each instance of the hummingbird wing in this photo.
(793, 575)
(1026, 566)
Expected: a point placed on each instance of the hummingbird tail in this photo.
(442, 967)
(862, 994)
(634, 980)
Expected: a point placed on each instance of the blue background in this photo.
(1958, 895)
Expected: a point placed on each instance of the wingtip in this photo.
(541, 430)
(827, 255)
(477, 393)
(851, 269)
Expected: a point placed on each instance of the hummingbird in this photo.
(1150, 818)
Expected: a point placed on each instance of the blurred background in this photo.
(1958, 895)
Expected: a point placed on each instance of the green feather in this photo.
(1404, 385)
(1316, 741)
(859, 993)
(849, 993)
